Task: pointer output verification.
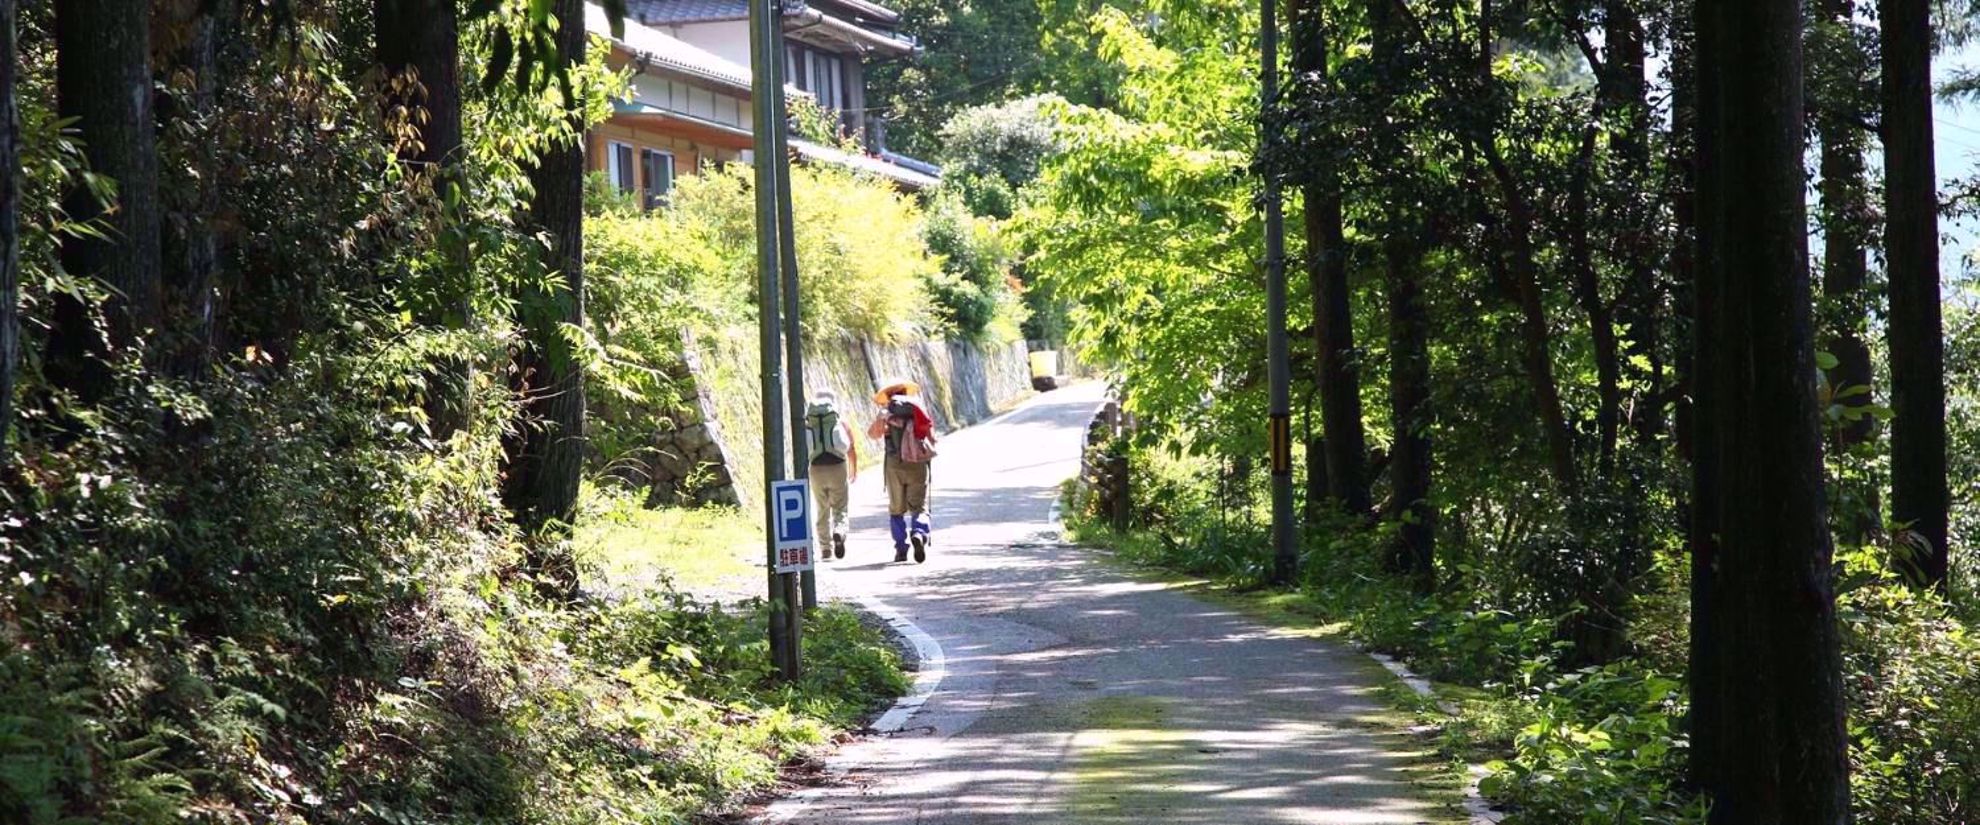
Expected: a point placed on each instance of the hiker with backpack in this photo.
(909, 433)
(834, 466)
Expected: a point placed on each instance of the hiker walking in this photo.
(909, 433)
(834, 467)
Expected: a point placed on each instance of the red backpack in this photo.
(906, 415)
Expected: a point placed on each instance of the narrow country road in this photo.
(1077, 694)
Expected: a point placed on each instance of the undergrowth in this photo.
(1567, 742)
(285, 606)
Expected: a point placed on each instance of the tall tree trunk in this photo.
(1588, 292)
(1702, 723)
(546, 454)
(1339, 373)
(418, 50)
(418, 54)
(1626, 94)
(103, 81)
(191, 248)
(1317, 498)
(1919, 495)
(10, 229)
(1844, 217)
(1402, 229)
(1410, 414)
(1536, 340)
(1781, 749)
(1845, 213)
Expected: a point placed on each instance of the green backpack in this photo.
(829, 444)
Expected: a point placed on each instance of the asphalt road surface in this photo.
(1076, 693)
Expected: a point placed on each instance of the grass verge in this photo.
(688, 664)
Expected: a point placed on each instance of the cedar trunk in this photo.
(1317, 497)
(1626, 95)
(1338, 374)
(1333, 333)
(10, 235)
(103, 81)
(1844, 216)
(1409, 396)
(1919, 495)
(191, 247)
(546, 454)
(1588, 292)
(1402, 228)
(1781, 751)
(418, 53)
(418, 50)
(1701, 723)
(1535, 339)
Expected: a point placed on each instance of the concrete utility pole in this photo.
(1285, 542)
(784, 638)
(787, 254)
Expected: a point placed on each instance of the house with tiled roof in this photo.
(689, 102)
(827, 46)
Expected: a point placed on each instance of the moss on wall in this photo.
(963, 382)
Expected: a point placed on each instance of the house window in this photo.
(619, 166)
(820, 73)
(828, 80)
(794, 67)
(658, 169)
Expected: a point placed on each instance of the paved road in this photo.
(1076, 694)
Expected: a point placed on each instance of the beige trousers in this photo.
(829, 494)
(907, 487)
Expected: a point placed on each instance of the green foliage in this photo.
(1607, 748)
(268, 589)
(973, 53)
(1963, 435)
(1145, 225)
(991, 152)
(1567, 744)
(1913, 675)
(859, 250)
(976, 294)
(873, 264)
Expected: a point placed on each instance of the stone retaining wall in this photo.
(714, 453)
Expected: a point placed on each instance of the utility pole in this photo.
(787, 254)
(1285, 542)
(763, 68)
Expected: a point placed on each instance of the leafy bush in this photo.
(1601, 744)
(1607, 749)
(861, 259)
(1912, 670)
(270, 589)
(976, 293)
(991, 152)
(658, 277)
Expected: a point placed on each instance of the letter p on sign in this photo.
(790, 504)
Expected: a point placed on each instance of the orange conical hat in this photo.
(896, 388)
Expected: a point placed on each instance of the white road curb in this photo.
(932, 668)
(1475, 806)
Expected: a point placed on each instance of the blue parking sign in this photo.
(790, 504)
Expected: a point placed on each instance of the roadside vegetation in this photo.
(1675, 560)
(304, 516)
(1565, 740)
